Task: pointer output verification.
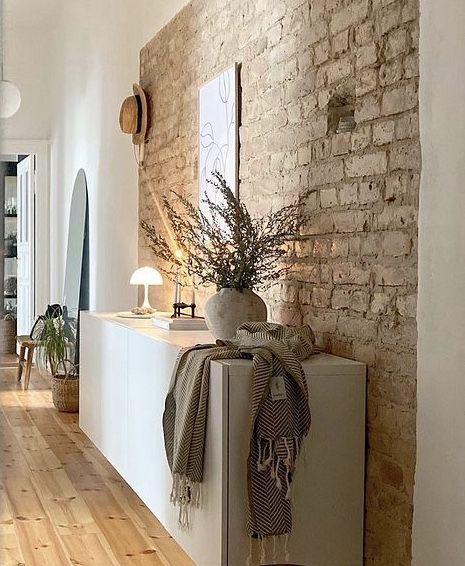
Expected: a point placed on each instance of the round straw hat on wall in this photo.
(133, 116)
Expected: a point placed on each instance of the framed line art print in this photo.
(219, 133)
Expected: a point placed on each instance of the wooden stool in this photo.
(26, 355)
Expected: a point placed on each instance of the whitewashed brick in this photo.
(354, 13)
(321, 297)
(406, 156)
(348, 193)
(399, 100)
(361, 138)
(396, 43)
(340, 299)
(340, 247)
(369, 164)
(366, 56)
(341, 143)
(326, 173)
(322, 51)
(341, 42)
(407, 305)
(338, 70)
(383, 132)
(379, 303)
(350, 221)
(396, 243)
(369, 191)
(328, 198)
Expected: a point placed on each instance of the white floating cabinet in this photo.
(126, 369)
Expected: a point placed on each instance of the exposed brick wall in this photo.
(355, 280)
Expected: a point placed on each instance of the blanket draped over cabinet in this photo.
(280, 420)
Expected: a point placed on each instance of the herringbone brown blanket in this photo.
(280, 420)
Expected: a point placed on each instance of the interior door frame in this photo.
(41, 150)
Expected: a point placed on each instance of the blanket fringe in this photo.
(271, 548)
(269, 459)
(185, 494)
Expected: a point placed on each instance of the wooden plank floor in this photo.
(61, 502)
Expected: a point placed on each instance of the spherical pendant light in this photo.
(10, 99)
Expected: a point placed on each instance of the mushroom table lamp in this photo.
(146, 276)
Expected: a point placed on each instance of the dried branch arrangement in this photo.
(226, 247)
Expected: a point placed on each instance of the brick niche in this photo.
(355, 276)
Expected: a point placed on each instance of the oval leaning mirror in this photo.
(76, 288)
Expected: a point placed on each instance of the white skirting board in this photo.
(125, 374)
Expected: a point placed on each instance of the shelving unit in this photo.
(8, 257)
(10, 230)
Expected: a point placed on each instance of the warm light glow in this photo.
(10, 99)
(146, 276)
(178, 254)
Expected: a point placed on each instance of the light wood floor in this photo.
(61, 502)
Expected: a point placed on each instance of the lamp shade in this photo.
(146, 276)
(10, 99)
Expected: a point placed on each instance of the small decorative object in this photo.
(133, 119)
(10, 206)
(55, 346)
(178, 304)
(138, 314)
(341, 112)
(228, 249)
(346, 124)
(11, 245)
(11, 286)
(145, 276)
(179, 307)
(218, 133)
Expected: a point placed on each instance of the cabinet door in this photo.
(149, 373)
(89, 377)
(103, 385)
(113, 380)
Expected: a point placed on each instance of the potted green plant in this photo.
(225, 247)
(55, 346)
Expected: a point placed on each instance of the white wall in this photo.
(29, 44)
(97, 61)
(439, 512)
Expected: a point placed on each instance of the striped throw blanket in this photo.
(280, 420)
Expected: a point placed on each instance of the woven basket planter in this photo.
(65, 394)
(7, 336)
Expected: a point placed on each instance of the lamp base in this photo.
(144, 310)
(130, 314)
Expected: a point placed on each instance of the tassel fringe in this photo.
(185, 494)
(266, 549)
(269, 458)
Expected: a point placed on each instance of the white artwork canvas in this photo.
(218, 133)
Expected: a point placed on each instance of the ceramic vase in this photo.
(229, 308)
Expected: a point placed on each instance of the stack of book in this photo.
(163, 320)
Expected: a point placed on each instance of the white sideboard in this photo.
(126, 368)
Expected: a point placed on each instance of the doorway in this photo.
(17, 216)
(24, 243)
